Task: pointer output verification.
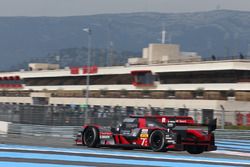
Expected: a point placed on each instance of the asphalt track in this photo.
(25, 151)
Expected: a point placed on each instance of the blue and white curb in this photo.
(157, 157)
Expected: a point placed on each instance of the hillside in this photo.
(77, 57)
(221, 32)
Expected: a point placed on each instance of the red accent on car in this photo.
(196, 133)
(117, 140)
(142, 122)
(123, 140)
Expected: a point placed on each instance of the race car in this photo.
(159, 133)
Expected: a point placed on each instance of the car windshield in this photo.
(154, 123)
(129, 123)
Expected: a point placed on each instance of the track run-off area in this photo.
(65, 154)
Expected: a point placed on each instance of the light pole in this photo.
(195, 116)
(222, 117)
(88, 30)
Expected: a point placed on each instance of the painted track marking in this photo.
(129, 154)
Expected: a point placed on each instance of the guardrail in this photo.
(71, 131)
(232, 134)
(43, 130)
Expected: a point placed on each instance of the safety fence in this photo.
(74, 115)
(43, 130)
(233, 134)
(61, 115)
(71, 131)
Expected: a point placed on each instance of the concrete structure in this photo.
(164, 53)
(4, 127)
(43, 66)
(146, 81)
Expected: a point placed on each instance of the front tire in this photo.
(91, 137)
(157, 141)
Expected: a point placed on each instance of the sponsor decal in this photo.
(143, 135)
(144, 131)
(104, 137)
(144, 142)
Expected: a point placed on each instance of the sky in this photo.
(90, 7)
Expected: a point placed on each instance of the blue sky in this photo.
(89, 7)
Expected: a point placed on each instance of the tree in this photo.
(103, 92)
(145, 92)
(124, 92)
(230, 93)
(170, 93)
(199, 92)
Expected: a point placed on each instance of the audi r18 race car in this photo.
(159, 133)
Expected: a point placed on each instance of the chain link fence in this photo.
(71, 131)
(74, 115)
(60, 115)
(65, 120)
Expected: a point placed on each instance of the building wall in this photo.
(5, 99)
(145, 53)
(181, 87)
(159, 52)
(43, 66)
(180, 67)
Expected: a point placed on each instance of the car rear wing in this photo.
(180, 122)
(210, 127)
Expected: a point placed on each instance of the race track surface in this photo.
(25, 151)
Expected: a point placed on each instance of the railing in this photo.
(71, 131)
(73, 115)
(233, 134)
(43, 130)
(206, 95)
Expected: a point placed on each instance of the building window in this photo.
(143, 78)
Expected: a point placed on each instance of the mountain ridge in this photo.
(218, 32)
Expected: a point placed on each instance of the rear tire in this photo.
(157, 141)
(195, 149)
(83, 140)
(91, 137)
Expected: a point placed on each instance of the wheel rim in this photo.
(157, 141)
(89, 136)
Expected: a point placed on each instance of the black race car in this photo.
(159, 133)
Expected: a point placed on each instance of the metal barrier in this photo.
(232, 134)
(74, 115)
(60, 115)
(43, 130)
(65, 121)
(71, 131)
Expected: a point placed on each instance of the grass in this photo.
(242, 127)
